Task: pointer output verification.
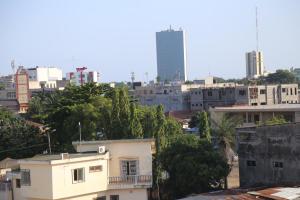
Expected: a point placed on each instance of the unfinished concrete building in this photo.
(269, 155)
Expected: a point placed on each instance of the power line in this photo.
(28, 147)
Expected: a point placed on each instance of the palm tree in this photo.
(224, 134)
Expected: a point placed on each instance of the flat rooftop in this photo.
(260, 108)
(115, 141)
(59, 157)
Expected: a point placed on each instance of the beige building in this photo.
(267, 94)
(206, 96)
(252, 115)
(254, 64)
(102, 170)
(173, 97)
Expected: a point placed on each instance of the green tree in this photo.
(148, 120)
(192, 165)
(136, 130)
(18, 139)
(115, 116)
(204, 126)
(124, 112)
(280, 77)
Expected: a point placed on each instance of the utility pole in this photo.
(79, 125)
(49, 143)
(256, 23)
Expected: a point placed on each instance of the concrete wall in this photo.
(266, 145)
(93, 181)
(123, 151)
(41, 182)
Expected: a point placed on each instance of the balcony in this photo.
(131, 181)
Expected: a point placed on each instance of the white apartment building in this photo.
(46, 76)
(102, 170)
(254, 64)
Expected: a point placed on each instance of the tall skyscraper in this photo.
(254, 64)
(171, 55)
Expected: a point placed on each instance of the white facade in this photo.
(46, 76)
(254, 64)
(122, 171)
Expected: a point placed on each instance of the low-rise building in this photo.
(174, 97)
(252, 115)
(268, 155)
(111, 169)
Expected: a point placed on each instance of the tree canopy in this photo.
(193, 166)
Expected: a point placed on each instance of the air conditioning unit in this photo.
(101, 149)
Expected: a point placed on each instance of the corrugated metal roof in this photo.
(282, 193)
(279, 193)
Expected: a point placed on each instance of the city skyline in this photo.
(57, 33)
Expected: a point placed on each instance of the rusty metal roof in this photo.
(280, 193)
(277, 193)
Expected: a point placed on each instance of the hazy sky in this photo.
(118, 37)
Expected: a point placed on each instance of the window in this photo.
(295, 91)
(25, 177)
(251, 163)
(129, 167)
(277, 164)
(291, 89)
(263, 103)
(114, 197)
(242, 92)
(209, 93)
(18, 183)
(97, 168)
(78, 175)
(262, 92)
(283, 89)
(101, 198)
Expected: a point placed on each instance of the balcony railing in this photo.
(130, 181)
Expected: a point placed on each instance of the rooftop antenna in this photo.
(13, 66)
(132, 77)
(146, 76)
(256, 20)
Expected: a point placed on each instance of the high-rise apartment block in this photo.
(171, 55)
(254, 64)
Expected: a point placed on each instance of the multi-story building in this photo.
(171, 55)
(212, 95)
(81, 76)
(254, 64)
(296, 72)
(252, 115)
(8, 81)
(174, 97)
(112, 169)
(44, 77)
(267, 94)
(268, 155)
